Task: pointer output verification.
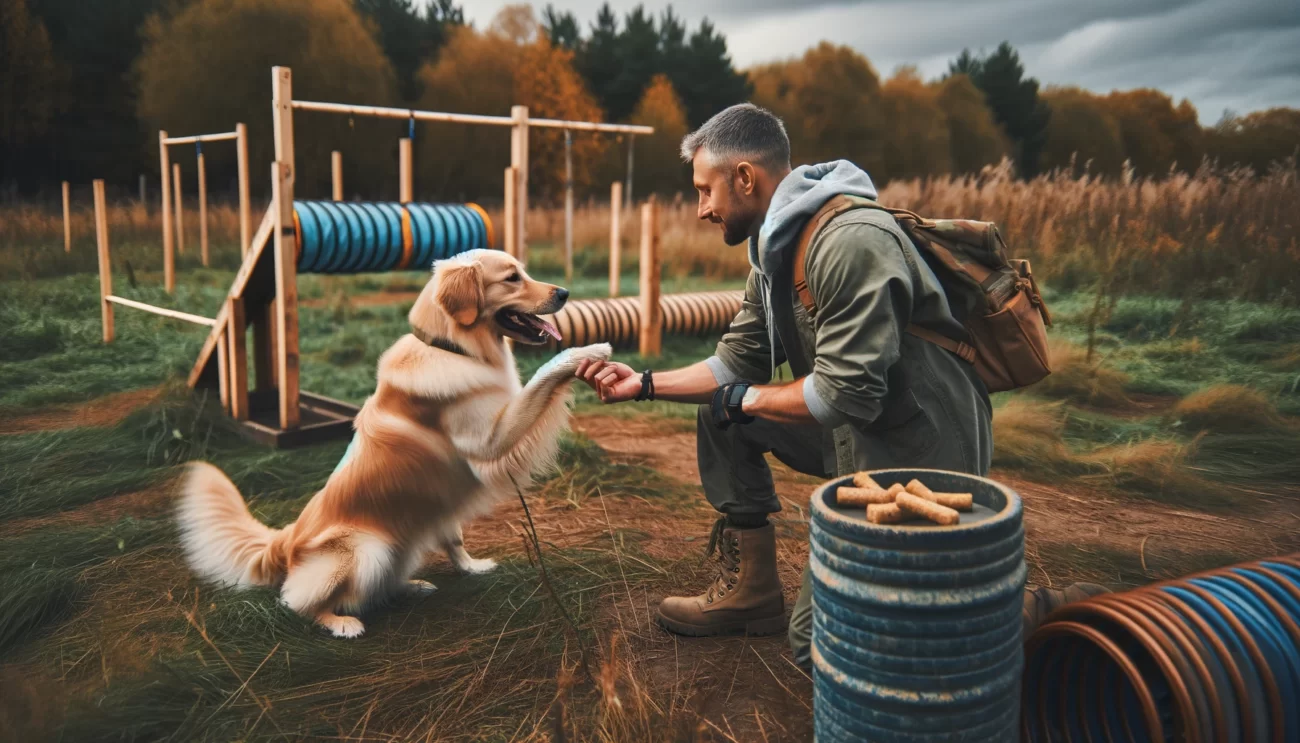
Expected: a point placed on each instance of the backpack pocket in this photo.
(1011, 344)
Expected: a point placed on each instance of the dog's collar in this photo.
(439, 342)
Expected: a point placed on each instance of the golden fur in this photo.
(435, 445)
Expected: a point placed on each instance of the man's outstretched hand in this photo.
(612, 381)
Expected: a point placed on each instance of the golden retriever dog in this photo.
(437, 444)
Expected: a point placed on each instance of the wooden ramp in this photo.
(222, 363)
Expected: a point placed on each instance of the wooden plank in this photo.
(209, 349)
(218, 137)
(519, 161)
(176, 314)
(651, 332)
(105, 263)
(203, 210)
(286, 268)
(67, 219)
(336, 174)
(237, 334)
(169, 257)
(615, 237)
(180, 211)
(508, 235)
(568, 207)
(241, 158)
(261, 239)
(223, 373)
(405, 184)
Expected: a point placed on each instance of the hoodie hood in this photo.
(799, 195)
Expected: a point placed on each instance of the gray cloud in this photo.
(1242, 55)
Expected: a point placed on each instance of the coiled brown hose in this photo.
(1212, 656)
(617, 321)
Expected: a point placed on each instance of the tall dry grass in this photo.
(1212, 234)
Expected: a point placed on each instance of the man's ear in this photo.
(746, 178)
(460, 291)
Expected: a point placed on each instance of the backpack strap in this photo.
(834, 207)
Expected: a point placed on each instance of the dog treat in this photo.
(846, 496)
(863, 480)
(921, 507)
(887, 513)
(956, 501)
(896, 488)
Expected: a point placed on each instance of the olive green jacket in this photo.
(885, 398)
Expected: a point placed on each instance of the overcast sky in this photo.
(1242, 55)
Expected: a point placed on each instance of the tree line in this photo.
(84, 88)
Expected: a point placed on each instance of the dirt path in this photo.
(102, 411)
(1067, 524)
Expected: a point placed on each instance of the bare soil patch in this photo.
(104, 411)
(139, 504)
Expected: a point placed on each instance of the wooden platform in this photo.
(322, 419)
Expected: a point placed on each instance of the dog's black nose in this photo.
(561, 293)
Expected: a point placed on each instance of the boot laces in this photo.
(728, 548)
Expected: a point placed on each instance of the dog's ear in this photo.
(460, 291)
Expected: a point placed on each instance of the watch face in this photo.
(737, 394)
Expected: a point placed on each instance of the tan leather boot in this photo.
(745, 598)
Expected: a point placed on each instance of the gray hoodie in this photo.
(799, 195)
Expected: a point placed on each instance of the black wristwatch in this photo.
(726, 405)
(647, 386)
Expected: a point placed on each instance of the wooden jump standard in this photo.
(171, 181)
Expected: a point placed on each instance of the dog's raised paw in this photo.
(598, 351)
(341, 626)
(479, 566)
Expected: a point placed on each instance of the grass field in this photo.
(1171, 448)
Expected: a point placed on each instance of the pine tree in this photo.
(410, 37)
(712, 82)
(1013, 98)
(598, 57)
(561, 28)
(638, 61)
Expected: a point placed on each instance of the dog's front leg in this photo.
(519, 415)
(454, 546)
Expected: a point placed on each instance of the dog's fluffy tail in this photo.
(223, 542)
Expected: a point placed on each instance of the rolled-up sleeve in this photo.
(745, 351)
(860, 280)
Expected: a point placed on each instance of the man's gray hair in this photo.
(742, 132)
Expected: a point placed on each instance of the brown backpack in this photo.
(995, 299)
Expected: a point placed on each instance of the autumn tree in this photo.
(975, 138)
(1257, 140)
(1082, 130)
(548, 84)
(915, 139)
(1157, 135)
(209, 66)
(827, 99)
(27, 77)
(658, 166)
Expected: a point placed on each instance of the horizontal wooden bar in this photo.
(202, 138)
(407, 113)
(177, 314)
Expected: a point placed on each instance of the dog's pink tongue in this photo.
(549, 329)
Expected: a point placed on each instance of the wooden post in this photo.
(286, 252)
(237, 335)
(651, 314)
(169, 257)
(568, 207)
(336, 170)
(180, 212)
(519, 161)
(241, 159)
(105, 265)
(144, 194)
(508, 235)
(203, 208)
(631, 145)
(615, 237)
(67, 219)
(405, 188)
(264, 347)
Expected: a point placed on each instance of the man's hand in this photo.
(612, 381)
(726, 405)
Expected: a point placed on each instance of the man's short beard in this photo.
(735, 233)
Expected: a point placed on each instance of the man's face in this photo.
(726, 198)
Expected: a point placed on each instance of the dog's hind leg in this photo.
(454, 546)
(314, 587)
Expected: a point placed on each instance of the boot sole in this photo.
(752, 627)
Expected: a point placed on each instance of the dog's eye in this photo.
(514, 277)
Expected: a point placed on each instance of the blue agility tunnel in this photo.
(368, 237)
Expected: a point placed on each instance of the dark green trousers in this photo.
(737, 481)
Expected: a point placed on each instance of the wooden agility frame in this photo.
(264, 292)
(171, 196)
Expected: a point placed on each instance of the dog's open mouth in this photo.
(526, 327)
